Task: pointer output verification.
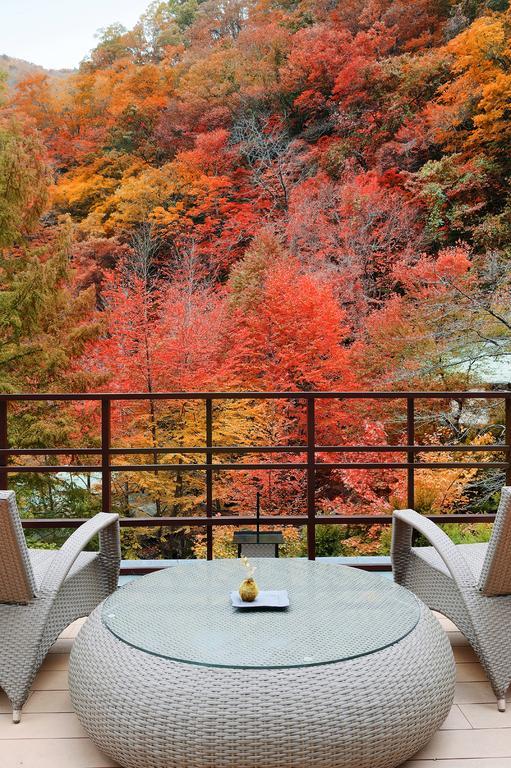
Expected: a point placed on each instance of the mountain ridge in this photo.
(17, 69)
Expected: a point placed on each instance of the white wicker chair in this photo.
(469, 583)
(43, 591)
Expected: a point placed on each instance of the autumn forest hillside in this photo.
(264, 195)
(14, 70)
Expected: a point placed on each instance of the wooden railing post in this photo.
(4, 443)
(209, 477)
(106, 473)
(410, 456)
(311, 479)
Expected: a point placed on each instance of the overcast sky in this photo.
(59, 33)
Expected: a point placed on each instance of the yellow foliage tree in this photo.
(477, 101)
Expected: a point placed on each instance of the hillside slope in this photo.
(18, 69)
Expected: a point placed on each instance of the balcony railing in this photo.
(105, 468)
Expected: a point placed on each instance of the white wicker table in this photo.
(357, 673)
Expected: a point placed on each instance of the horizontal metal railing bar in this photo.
(98, 396)
(407, 448)
(48, 468)
(202, 467)
(318, 465)
(243, 449)
(50, 451)
(80, 468)
(416, 465)
(236, 520)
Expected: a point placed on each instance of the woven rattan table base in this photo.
(371, 712)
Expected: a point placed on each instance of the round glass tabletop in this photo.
(184, 613)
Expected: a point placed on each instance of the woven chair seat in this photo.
(41, 560)
(474, 555)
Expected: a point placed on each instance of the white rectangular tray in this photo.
(276, 598)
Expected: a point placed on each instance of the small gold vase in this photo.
(248, 590)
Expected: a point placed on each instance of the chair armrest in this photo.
(104, 523)
(407, 520)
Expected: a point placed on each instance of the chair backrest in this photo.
(17, 583)
(495, 578)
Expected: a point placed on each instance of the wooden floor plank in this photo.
(470, 672)
(53, 753)
(42, 725)
(56, 662)
(475, 693)
(486, 716)
(49, 701)
(455, 745)
(456, 720)
(51, 680)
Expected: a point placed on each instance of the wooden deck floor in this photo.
(474, 735)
